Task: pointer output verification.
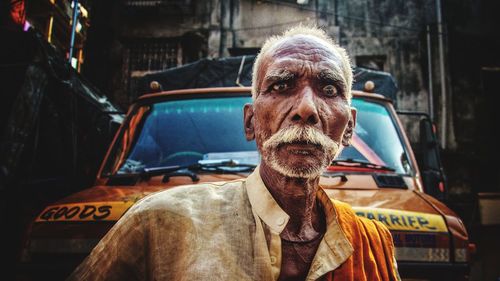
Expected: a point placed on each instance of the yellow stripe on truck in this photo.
(404, 220)
(89, 211)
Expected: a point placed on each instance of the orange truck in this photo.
(173, 138)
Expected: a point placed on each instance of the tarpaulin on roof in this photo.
(384, 82)
(204, 73)
(207, 73)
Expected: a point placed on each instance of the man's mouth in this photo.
(301, 148)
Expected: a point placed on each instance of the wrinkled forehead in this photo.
(303, 45)
(298, 53)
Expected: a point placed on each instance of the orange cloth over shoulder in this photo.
(373, 256)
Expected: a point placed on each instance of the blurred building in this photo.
(132, 37)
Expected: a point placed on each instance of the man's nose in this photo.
(305, 110)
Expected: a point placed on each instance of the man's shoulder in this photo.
(372, 243)
(184, 199)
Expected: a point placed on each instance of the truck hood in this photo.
(109, 203)
(399, 209)
(76, 223)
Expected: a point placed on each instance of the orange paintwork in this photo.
(141, 189)
(128, 136)
(359, 190)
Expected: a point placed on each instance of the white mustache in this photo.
(308, 135)
(294, 134)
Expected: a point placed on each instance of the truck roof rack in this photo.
(227, 72)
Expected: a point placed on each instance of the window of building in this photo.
(155, 3)
(151, 55)
(297, 2)
(158, 7)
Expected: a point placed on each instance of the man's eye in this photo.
(280, 86)
(330, 91)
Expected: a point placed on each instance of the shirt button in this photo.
(280, 221)
(273, 259)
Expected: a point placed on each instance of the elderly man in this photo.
(278, 224)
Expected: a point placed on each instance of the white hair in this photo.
(309, 31)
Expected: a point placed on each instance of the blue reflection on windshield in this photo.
(185, 131)
(376, 139)
(182, 132)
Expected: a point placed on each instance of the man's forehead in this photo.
(305, 46)
(300, 63)
(294, 53)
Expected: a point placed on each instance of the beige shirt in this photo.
(214, 231)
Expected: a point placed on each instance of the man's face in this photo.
(301, 110)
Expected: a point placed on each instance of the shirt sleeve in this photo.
(119, 255)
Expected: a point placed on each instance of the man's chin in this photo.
(307, 169)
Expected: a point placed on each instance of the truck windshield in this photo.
(181, 132)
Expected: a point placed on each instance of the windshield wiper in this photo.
(223, 166)
(205, 165)
(361, 164)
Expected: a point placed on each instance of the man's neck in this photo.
(297, 197)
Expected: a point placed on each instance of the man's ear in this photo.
(248, 122)
(349, 131)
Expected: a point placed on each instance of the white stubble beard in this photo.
(295, 134)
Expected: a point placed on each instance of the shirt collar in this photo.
(264, 204)
(335, 247)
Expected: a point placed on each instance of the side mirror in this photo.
(432, 168)
(427, 151)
